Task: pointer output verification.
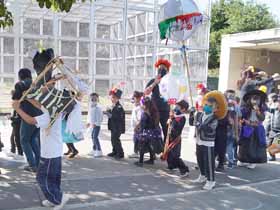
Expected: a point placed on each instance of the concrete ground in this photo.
(104, 183)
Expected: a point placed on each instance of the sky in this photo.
(274, 6)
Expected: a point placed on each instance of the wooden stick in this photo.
(188, 73)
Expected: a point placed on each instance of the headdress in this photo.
(163, 62)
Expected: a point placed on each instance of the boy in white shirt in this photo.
(95, 118)
(49, 171)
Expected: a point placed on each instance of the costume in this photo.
(252, 141)
(206, 125)
(116, 124)
(173, 156)
(159, 101)
(149, 138)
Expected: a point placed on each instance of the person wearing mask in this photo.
(29, 134)
(162, 66)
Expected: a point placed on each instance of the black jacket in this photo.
(177, 126)
(116, 122)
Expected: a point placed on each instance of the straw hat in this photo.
(221, 102)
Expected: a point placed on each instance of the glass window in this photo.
(140, 50)
(117, 67)
(47, 27)
(9, 45)
(84, 29)
(68, 48)
(102, 67)
(9, 81)
(27, 63)
(71, 63)
(30, 46)
(150, 22)
(139, 66)
(8, 64)
(150, 67)
(69, 29)
(141, 23)
(141, 38)
(115, 31)
(131, 26)
(139, 85)
(83, 49)
(103, 31)
(130, 50)
(102, 87)
(31, 26)
(83, 66)
(130, 67)
(102, 50)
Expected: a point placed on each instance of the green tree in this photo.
(6, 17)
(235, 16)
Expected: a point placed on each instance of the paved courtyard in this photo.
(105, 183)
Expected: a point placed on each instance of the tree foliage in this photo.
(235, 16)
(6, 17)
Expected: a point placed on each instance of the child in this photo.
(177, 124)
(206, 125)
(232, 128)
(95, 118)
(150, 139)
(116, 123)
(135, 120)
(49, 171)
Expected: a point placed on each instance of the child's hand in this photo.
(16, 104)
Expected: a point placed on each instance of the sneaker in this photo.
(30, 169)
(209, 185)
(220, 168)
(134, 155)
(149, 162)
(73, 155)
(184, 173)
(67, 153)
(138, 164)
(98, 154)
(65, 199)
(112, 154)
(200, 179)
(272, 158)
(46, 203)
(241, 164)
(118, 157)
(230, 166)
(251, 166)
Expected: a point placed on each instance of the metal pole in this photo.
(124, 37)
(155, 42)
(92, 53)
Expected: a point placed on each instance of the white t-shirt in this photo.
(51, 141)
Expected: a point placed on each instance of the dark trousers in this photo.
(206, 161)
(95, 138)
(29, 139)
(71, 147)
(49, 179)
(145, 146)
(15, 139)
(163, 118)
(221, 144)
(116, 143)
(174, 160)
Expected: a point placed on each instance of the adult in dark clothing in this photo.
(15, 136)
(29, 134)
(116, 124)
(163, 67)
(221, 142)
(178, 121)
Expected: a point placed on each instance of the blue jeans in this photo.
(29, 139)
(95, 139)
(230, 147)
(49, 179)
